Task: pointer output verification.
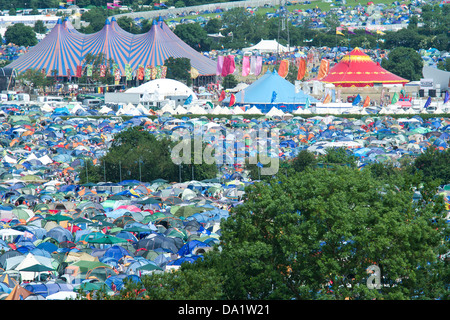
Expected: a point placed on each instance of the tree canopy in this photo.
(316, 235)
(179, 69)
(136, 154)
(404, 62)
(434, 164)
(20, 35)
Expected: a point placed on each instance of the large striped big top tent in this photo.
(64, 49)
(357, 69)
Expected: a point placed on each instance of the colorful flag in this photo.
(158, 72)
(245, 66)
(164, 72)
(274, 97)
(232, 100)
(283, 70)
(220, 60)
(188, 100)
(222, 95)
(102, 70)
(228, 65)
(301, 69)
(117, 76)
(380, 32)
(366, 102)
(253, 64)
(258, 65)
(356, 100)
(327, 99)
(323, 69)
(128, 72)
(307, 104)
(154, 73)
(368, 32)
(427, 104)
(339, 32)
(394, 98)
(79, 71)
(194, 73)
(148, 73)
(141, 72)
(447, 97)
(351, 32)
(89, 70)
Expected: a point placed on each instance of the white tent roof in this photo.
(167, 108)
(180, 110)
(240, 86)
(275, 112)
(268, 46)
(238, 110)
(225, 110)
(253, 110)
(195, 109)
(104, 110)
(217, 110)
(46, 107)
(165, 87)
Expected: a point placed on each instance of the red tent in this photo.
(357, 69)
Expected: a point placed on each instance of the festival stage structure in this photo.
(64, 50)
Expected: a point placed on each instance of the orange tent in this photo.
(18, 293)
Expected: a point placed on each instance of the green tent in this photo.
(107, 239)
(149, 267)
(57, 217)
(85, 266)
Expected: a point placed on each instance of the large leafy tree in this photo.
(434, 164)
(404, 62)
(127, 24)
(34, 79)
(179, 69)
(21, 35)
(194, 35)
(403, 38)
(96, 18)
(136, 148)
(136, 154)
(313, 236)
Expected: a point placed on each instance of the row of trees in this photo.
(136, 154)
(30, 4)
(247, 28)
(313, 233)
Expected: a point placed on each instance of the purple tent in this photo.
(64, 48)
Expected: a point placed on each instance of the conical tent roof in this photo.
(113, 41)
(357, 69)
(64, 48)
(272, 90)
(60, 50)
(160, 43)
